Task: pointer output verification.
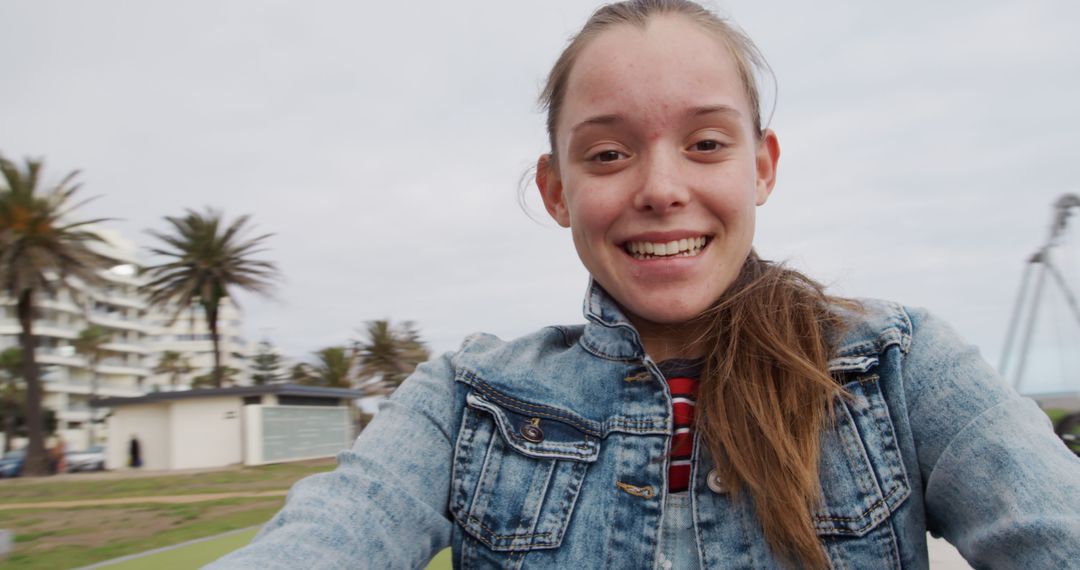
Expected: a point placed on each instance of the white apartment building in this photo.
(189, 335)
(118, 308)
(138, 337)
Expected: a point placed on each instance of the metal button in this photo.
(716, 484)
(532, 432)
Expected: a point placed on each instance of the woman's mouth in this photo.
(685, 247)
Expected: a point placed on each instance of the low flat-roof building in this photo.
(1068, 401)
(217, 427)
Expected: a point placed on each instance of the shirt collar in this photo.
(608, 333)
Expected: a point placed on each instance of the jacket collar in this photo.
(608, 333)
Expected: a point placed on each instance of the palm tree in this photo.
(333, 367)
(207, 258)
(10, 366)
(228, 377)
(387, 356)
(301, 373)
(91, 344)
(174, 364)
(40, 248)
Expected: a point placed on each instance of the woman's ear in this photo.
(551, 190)
(768, 156)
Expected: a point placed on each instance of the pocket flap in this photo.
(537, 436)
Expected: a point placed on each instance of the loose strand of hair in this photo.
(766, 397)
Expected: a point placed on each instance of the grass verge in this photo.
(241, 479)
(61, 538)
(122, 530)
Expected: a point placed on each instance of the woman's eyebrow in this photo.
(598, 120)
(714, 110)
(693, 112)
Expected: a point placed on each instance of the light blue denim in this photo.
(550, 451)
(678, 539)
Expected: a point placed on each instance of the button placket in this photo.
(715, 482)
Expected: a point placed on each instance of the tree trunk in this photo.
(93, 394)
(9, 419)
(37, 462)
(212, 322)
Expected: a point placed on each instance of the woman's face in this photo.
(658, 170)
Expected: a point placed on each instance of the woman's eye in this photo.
(707, 145)
(606, 156)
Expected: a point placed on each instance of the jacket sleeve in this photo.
(999, 484)
(385, 506)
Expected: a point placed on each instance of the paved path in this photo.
(943, 556)
(137, 500)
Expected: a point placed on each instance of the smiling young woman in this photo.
(717, 410)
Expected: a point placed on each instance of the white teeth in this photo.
(685, 247)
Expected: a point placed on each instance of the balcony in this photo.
(118, 366)
(55, 329)
(62, 356)
(127, 347)
(133, 301)
(61, 305)
(119, 321)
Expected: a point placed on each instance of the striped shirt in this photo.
(682, 379)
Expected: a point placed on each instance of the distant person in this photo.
(56, 456)
(718, 410)
(134, 453)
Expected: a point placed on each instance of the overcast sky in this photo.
(383, 143)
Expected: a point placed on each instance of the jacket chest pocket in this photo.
(863, 479)
(516, 477)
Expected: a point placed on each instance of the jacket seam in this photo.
(595, 351)
(882, 501)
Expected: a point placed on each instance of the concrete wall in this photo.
(253, 434)
(150, 424)
(206, 432)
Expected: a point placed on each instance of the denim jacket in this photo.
(551, 451)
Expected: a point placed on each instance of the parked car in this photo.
(11, 464)
(92, 459)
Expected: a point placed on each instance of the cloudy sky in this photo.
(383, 144)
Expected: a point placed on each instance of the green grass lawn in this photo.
(192, 556)
(243, 479)
(70, 538)
(63, 538)
(201, 553)
(60, 538)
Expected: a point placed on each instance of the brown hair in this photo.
(766, 393)
(637, 13)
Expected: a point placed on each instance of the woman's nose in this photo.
(661, 189)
